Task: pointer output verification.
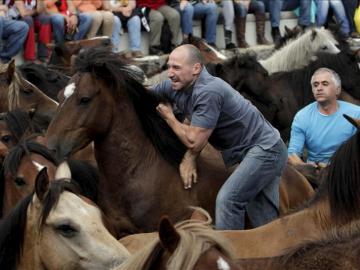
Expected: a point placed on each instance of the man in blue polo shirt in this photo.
(221, 116)
(320, 127)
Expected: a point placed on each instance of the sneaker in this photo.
(155, 50)
(137, 54)
(355, 35)
(230, 46)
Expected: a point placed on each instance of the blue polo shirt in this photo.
(213, 104)
(321, 134)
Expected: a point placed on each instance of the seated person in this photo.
(320, 127)
(12, 35)
(337, 7)
(190, 10)
(241, 8)
(65, 21)
(158, 11)
(276, 6)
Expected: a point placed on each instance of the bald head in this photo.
(191, 53)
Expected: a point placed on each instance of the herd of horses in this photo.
(103, 107)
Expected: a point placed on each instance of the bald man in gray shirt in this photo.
(221, 116)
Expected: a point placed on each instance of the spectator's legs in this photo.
(322, 11)
(29, 45)
(58, 26)
(156, 22)
(209, 10)
(134, 31)
(350, 6)
(95, 25)
(43, 24)
(274, 7)
(258, 8)
(305, 10)
(186, 19)
(115, 38)
(15, 33)
(228, 15)
(340, 15)
(173, 18)
(240, 24)
(84, 24)
(107, 23)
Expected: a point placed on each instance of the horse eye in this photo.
(19, 181)
(66, 230)
(6, 138)
(324, 47)
(207, 50)
(84, 100)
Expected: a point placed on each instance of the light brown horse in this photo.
(137, 153)
(16, 92)
(335, 204)
(47, 231)
(190, 245)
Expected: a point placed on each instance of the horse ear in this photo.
(287, 30)
(42, 183)
(169, 237)
(63, 171)
(313, 35)
(353, 121)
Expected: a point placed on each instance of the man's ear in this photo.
(338, 90)
(196, 69)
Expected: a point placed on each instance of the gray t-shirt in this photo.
(212, 103)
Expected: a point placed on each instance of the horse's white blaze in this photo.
(69, 90)
(38, 165)
(222, 264)
(218, 54)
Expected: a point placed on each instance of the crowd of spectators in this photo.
(61, 20)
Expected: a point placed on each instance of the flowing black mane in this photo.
(119, 77)
(12, 227)
(19, 123)
(341, 182)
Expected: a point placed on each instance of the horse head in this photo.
(322, 40)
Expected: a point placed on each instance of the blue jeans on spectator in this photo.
(252, 187)
(256, 7)
(276, 6)
(199, 11)
(58, 26)
(13, 34)
(339, 11)
(115, 38)
(133, 25)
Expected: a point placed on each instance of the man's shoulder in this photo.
(308, 109)
(350, 107)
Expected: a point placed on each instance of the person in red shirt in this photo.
(158, 11)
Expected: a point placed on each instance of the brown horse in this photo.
(16, 92)
(137, 153)
(187, 246)
(337, 251)
(47, 231)
(335, 204)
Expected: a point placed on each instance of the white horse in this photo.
(56, 229)
(299, 52)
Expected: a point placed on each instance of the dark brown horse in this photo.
(137, 153)
(336, 204)
(16, 92)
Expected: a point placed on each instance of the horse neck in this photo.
(126, 147)
(30, 259)
(294, 55)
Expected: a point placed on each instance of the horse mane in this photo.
(195, 238)
(19, 123)
(341, 183)
(117, 75)
(292, 54)
(12, 230)
(25, 147)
